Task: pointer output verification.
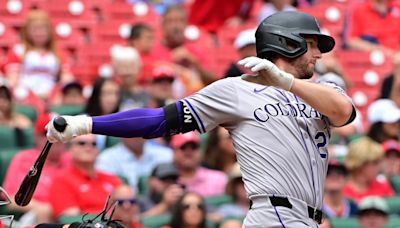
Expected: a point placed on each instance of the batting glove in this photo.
(270, 74)
(76, 125)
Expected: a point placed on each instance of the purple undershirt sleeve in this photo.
(141, 122)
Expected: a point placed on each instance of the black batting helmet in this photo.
(280, 29)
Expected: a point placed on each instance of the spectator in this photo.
(164, 190)
(211, 15)
(220, 154)
(191, 58)
(36, 64)
(384, 117)
(235, 188)
(231, 223)
(72, 94)
(391, 84)
(326, 223)
(187, 158)
(131, 158)
(81, 189)
(380, 32)
(142, 39)
(373, 213)
(391, 159)
(22, 162)
(273, 6)
(363, 162)
(8, 116)
(105, 99)
(189, 212)
(161, 86)
(342, 134)
(126, 64)
(127, 211)
(335, 204)
(245, 44)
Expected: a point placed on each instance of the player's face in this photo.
(304, 65)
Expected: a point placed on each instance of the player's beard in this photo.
(305, 69)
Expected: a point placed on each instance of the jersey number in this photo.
(321, 137)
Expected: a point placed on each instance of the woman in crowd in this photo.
(8, 116)
(35, 65)
(189, 212)
(105, 99)
(219, 152)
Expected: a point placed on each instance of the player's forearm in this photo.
(325, 100)
(142, 122)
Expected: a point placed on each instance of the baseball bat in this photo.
(28, 185)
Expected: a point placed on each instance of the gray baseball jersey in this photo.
(280, 141)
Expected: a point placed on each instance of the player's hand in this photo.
(269, 74)
(76, 125)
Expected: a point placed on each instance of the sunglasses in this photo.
(84, 143)
(191, 145)
(199, 206)
(131, 201)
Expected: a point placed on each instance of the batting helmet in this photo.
(280, 29)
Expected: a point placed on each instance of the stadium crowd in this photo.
(98, 57)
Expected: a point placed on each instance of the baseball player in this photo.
(278, 120)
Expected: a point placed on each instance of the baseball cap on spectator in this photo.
(244, 38)
(336, 167)
(362, 151)
(383, 110)
(373, 203)
(181, 139)
(391, 146)
(71, 85)
(163, 72)
(41, 123)
(165, 171)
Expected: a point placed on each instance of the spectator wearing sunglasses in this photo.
(189, 212)
(22, 162)
(127, 211)
(164, 190)
(187, 159)
(81, 189)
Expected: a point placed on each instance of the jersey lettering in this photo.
(187, 116)
(263, 114)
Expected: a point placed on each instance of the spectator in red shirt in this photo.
(391, 160)
(142, 39)
(161, 86)
(127, 209)
(364, 162)
(35, 64)
(375, 24)
(23, 161)
(188, 55)
(187, 159)
(81, 189)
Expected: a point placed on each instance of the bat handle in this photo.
(59, 123)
